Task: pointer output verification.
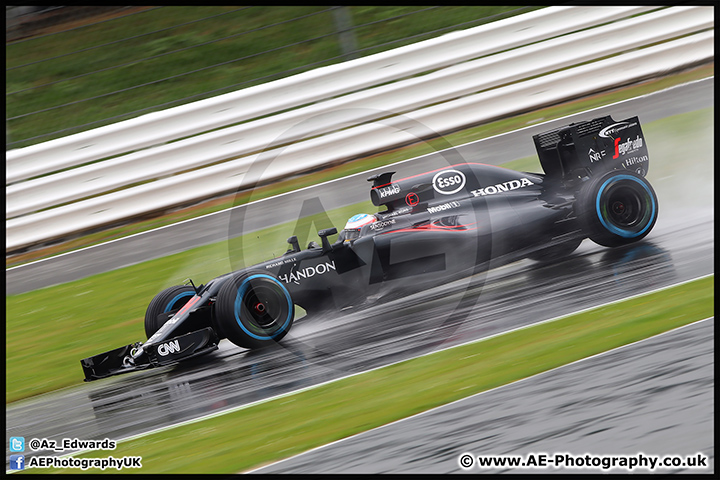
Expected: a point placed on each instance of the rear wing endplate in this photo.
(592, 147)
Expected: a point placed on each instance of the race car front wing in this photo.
(126, 359)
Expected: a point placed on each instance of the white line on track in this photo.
(248, 405)
(482, 393)
(354, 174)
(421, 413)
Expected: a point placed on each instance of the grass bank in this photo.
(162, 57)
(286, 426)
(51, 329)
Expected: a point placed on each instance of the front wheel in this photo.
(617, 208)
(168, 301)
(253, 309)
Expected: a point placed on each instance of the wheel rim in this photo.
(263, 308)
(263, 305)
(625, 206)
(626, 209)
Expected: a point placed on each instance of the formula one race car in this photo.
(436, 227)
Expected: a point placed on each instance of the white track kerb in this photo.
(243, 407)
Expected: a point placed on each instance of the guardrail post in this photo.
(346, 32)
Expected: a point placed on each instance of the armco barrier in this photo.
(304, 88)
(353, 109)
(354, 141)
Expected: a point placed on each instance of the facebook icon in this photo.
(17, 462)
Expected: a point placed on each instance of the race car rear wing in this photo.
(591, 147)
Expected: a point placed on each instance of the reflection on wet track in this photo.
(321, 349)
(681, 247)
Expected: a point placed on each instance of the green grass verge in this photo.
(286, 426)
(270, 42)
(455, 139)
(49, 330)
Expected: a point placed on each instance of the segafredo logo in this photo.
(448, 182)
(168, 348)
(390, 190)
(307, 272)
(503, 187)
(630, 145)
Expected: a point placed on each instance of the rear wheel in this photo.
(617, 208)
(253, 310)
(169, 300)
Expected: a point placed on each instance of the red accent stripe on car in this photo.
(188, 305)
(425, 228)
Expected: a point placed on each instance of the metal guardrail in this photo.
(474, 86)
(303, 89)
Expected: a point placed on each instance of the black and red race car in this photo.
(434, 227)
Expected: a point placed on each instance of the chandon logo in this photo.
(168, 348)
(307, 272)
(503, 187)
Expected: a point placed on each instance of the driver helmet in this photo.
(355, 224)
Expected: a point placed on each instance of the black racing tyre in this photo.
(169, 300)
(556, 252)
(253, 309)
(617, 208)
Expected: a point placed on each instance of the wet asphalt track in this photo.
(347, 191)
(680, 247)
(630, 400)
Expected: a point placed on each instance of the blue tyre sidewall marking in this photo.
(238, 303)
(168, 307)
(613, 228)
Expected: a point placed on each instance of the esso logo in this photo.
(448, 182)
